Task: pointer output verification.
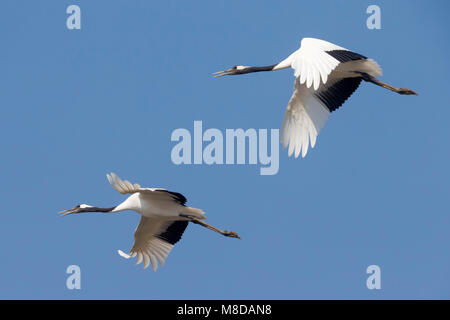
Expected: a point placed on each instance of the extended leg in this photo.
(369, 78)
(226, 233)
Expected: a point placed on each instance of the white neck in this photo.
(131, 203)
(286, 63)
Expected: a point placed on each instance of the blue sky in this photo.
(76, 104)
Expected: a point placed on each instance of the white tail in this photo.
(372, 68)
(198, 213)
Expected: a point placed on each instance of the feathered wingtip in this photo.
(142, 257)
(122, 186)
(123, 254)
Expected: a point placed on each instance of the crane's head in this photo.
(232, 71)
(78, 209)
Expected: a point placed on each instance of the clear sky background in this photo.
(76, 104)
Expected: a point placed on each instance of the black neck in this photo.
(95, 209)
(256, 69)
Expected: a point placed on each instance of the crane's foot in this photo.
(406, 91)
(231, 234)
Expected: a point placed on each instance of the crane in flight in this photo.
(326, 75)
(164, 217)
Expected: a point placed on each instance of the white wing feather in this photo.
(313, 67)
(147, 247)
(305, 116)
(122, 186)
(311, 62)
(125, 186)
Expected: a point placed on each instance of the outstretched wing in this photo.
(154, 239)
(325, 79)
(316, 59)
(124, 187)
(308, 110)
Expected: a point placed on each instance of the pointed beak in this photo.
(223, 73)
(68, 211)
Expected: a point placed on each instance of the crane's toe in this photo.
(406, 91)
(231, 234)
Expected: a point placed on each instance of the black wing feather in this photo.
(335, 95)
(173, 232)
(345, 55)
(178, 197)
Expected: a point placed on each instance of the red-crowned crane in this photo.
(326, 75)
(164, 217)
